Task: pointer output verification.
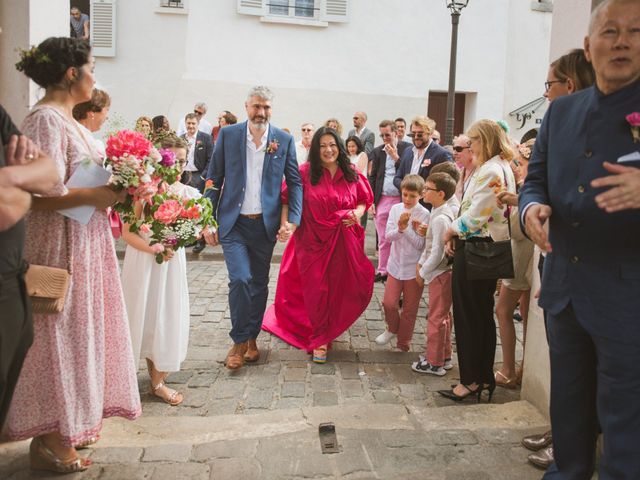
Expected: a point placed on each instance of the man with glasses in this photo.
(303, 146)
(435, 136)
(362, 132)
(425, 152)
(385, 161)
(199, 110)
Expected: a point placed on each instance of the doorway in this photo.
(437, 110)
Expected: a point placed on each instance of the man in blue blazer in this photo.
(244, 184)
(425, 152)
(584, 178)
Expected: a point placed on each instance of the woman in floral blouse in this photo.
(480, 220)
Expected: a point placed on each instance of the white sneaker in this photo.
(426, 367)
(385, 337)
(447, 364)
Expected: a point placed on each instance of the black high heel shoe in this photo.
(451, 395)
(489, 387)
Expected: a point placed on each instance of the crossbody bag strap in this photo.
(65, 218)
(508, 207)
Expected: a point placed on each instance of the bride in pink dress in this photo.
(326, 280)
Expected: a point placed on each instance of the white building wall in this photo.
(385, 60)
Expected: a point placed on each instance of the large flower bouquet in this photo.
(175, 222)
(139, 169)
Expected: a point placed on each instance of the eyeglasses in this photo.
(416, 134)
(198, 112)
(428, 189)
(307, 130)
(460, 149)
(547, 85)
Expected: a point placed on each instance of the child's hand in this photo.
(419, 278)
(167, 254)
(403, 221)
(420, 228)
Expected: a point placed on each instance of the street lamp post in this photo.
(456, 7)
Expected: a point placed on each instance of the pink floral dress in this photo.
(80, 367)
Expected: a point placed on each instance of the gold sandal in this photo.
(42, 458)
(508, 383)
(172, 399)
(88, 442)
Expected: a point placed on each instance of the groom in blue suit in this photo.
(244, 183)
(584, 179)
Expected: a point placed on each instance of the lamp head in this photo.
(456, 5)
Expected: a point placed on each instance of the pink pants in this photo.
(401, 324)
(382, 215)
(439, 320)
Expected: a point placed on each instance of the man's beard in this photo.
(259, 122)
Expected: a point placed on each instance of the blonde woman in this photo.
(144, 126)
(480, 220)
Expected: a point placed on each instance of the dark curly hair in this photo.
(47, 63)
(343, 158)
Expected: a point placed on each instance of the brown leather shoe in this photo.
(253, 354)
(543, 458)
(537, 442)
(235, 357)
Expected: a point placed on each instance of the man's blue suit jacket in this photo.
(595, 258)
(227, 170)
(435, 153)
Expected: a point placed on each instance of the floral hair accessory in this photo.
(33, 53)
(273, 146)
(634, 122)
(525, 151)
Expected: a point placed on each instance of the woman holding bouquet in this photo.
(80, 367)
(326, 280)
(157, 295)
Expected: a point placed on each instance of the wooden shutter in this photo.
(334, 11)
(103, 28)
(251, 7)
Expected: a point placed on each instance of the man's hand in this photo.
(392, 151)
(14, 202)
(624, 193)
(373, 210)
(210, 237)
(20, 150)
(534, 220)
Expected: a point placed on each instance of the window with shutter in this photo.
(303, 12)
(103, 28)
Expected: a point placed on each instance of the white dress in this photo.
(157, 300)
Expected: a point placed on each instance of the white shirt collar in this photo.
(263, 140)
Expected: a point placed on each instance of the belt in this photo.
(251, 216)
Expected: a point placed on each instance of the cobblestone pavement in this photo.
(261, 421)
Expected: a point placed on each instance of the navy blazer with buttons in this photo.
(435, 153)
(228, 172)
(595, 257)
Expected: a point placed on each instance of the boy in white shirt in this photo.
(433, 269)
(407, 241)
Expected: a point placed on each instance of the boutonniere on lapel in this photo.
(198, 143)
(634, 122)
(209, 185)
(273, 146)
(426, 162)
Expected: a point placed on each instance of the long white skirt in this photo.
(157, 300)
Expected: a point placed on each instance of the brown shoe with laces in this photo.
(253, 354)
(235, 357)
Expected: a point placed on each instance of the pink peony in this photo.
(145, 228)
(168, 212)
(168, 158)
(128, 142)
(634, 119)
